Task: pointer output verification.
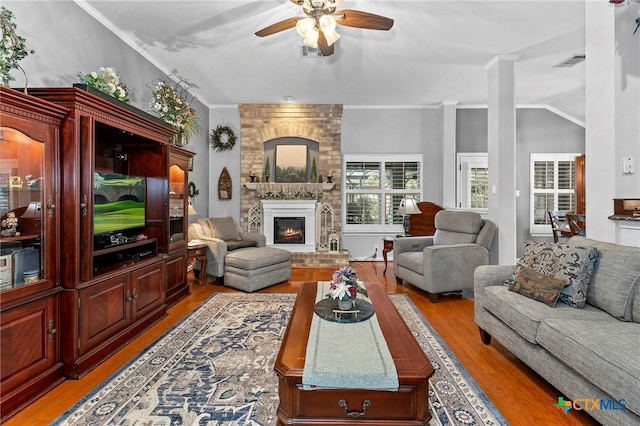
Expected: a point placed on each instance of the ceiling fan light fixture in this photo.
(327, 23)
(307, 7)
(303, 26)
(311, 39)
(331, 37)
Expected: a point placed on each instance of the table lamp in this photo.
(191, 211)
(407, 207)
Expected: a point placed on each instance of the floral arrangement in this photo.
(11, 221)
(13, 48)
(170, 102)
(345, 284)
(107, 81)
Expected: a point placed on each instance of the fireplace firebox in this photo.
(288, 230)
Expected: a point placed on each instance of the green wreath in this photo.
(191, 190)
(222, 138)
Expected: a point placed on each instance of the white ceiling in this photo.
(436, 51)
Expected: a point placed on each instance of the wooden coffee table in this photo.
(407, 406)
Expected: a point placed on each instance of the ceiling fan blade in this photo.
(359, 19)
(278, 26)
(324, 46)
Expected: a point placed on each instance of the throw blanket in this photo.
(347, 355)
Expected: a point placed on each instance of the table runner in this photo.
(347, 355)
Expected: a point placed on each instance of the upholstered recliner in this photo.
(446, 261)
(222, 235)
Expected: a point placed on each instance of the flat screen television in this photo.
(119, 202)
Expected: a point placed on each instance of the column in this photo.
(502, 155)
(449, 153)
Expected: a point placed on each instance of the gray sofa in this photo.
(588, 353)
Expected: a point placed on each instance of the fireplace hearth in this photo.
(288, 230)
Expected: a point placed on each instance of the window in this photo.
(553, 187)
(374, 187)
(473, 181)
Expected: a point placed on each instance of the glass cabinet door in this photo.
(177, 202)
(21, 209)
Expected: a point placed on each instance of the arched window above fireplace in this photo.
(292, 160)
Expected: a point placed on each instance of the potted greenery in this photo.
(267, 169)
(107, 81)
(314, 172)
(13, 48)
(171, 103)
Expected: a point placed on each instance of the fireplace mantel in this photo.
(289, 191)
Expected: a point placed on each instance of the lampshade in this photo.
(190, 209)
(327, 23)
(303, 26)
(311, 39)
(408, 206)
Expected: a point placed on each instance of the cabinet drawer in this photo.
(383, 405)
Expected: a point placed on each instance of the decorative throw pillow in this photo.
(238, 244)
(224, 228)
(537, 286)
(574, 264)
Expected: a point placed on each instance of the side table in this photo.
(199, 252)
(387, 246)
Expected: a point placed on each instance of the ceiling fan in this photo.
(318, 27)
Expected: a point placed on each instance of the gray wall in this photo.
(538, 130)
(393, 131)
(67, 41)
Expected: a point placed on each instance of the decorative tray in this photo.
(328, 309)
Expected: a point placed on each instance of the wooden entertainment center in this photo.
(89, 293)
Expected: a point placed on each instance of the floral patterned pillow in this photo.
(571, 263)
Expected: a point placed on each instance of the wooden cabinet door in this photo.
(104, 310)
(148, 289)
(30, 356)
(176, 268)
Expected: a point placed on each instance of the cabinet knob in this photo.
(83, 205)
(51, 207)
(52, 331)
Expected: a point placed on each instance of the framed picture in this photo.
(190, 166)
(291, 163)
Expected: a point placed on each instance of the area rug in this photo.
(215, 367)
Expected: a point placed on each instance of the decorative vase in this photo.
(346, 305)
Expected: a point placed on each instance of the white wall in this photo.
(612, 106)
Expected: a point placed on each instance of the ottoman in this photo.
(252, 269)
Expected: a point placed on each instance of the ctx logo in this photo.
(589, 404)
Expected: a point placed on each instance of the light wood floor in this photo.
(520, 394)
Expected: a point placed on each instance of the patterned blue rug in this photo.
(215, 367)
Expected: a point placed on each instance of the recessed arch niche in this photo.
(292, 159)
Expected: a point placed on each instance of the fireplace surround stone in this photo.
(263, 122)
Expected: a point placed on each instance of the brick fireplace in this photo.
(263, 122)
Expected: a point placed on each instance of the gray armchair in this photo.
(445, 262)
(222, 235)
